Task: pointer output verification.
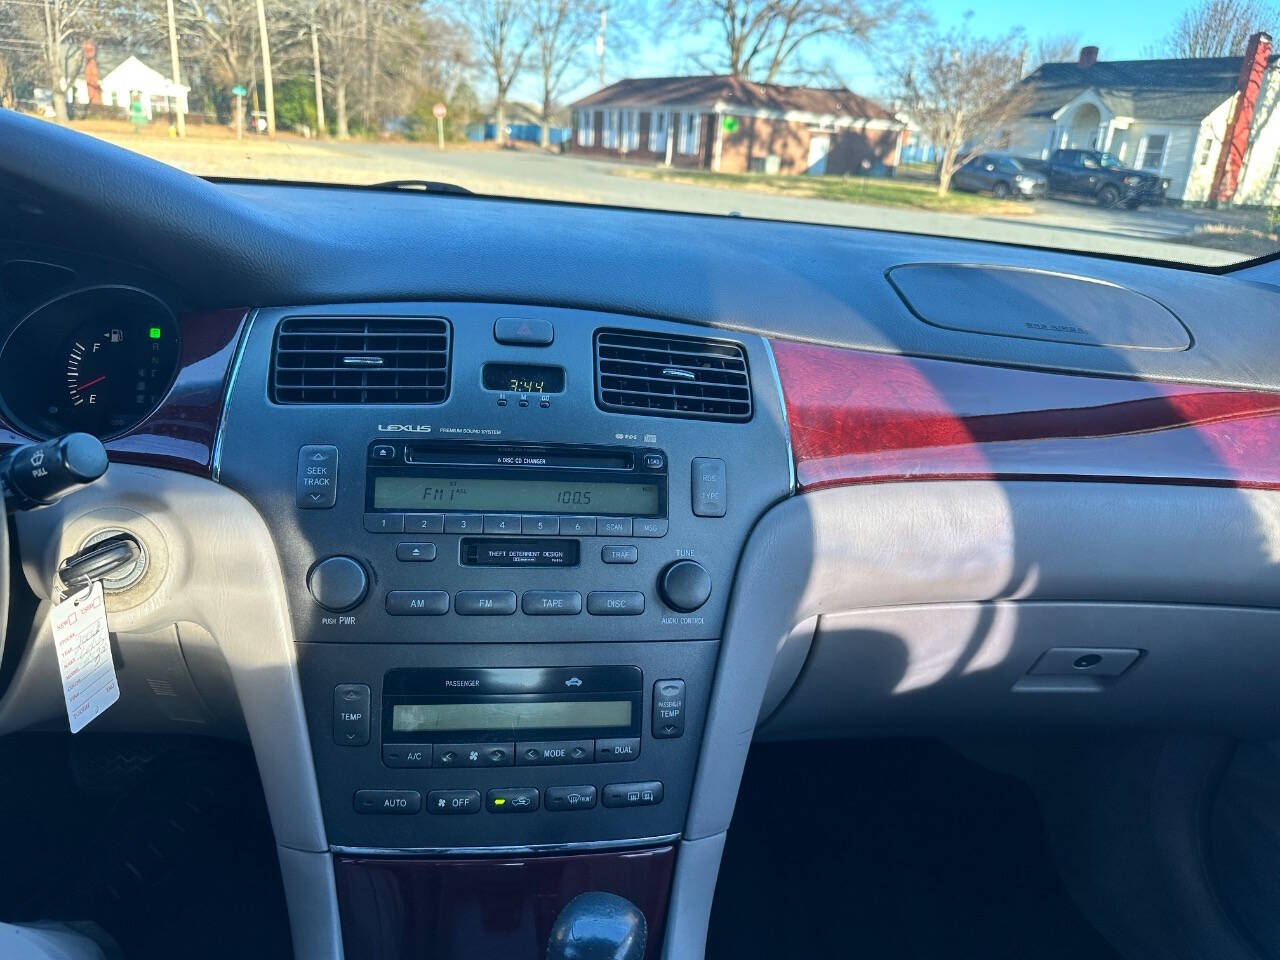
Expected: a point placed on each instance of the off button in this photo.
(453, 802)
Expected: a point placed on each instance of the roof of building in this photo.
(707, 91)
(1174, 89)
(134, 71)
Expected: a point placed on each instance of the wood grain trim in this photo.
(861, 417)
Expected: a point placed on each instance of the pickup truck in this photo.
(1101, 177)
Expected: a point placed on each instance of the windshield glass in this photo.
(860, 113)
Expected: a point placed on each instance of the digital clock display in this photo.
(523, 378)
(500, 495)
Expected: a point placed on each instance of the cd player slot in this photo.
(481, 455)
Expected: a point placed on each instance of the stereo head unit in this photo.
(481, 477)
(501, 705)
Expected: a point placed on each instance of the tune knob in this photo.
(337, 583)
(685, 585)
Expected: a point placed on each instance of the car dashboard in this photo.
(501, 530)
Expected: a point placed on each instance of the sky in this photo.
(1123, 30)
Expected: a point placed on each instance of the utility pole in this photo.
(266, 69)
(323, 131)
(180, 121)
(604, 22)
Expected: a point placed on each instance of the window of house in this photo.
(1206, 148)
(609, 135)
(586, 128)
(658, 133)
(689, 126)
(1153, 151)
(630, 130)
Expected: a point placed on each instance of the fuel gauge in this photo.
(115, 375)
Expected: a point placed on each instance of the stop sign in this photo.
(439, 111)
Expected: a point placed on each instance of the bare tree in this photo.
(561, 30)
(343, 52)
(502, 33)
(763, 39)
(1054, 48)
(225, 32)
(961, 90)
(1218, 28)
(55, 28)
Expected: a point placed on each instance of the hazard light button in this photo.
(518, 331)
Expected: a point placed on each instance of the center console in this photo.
(507, 601)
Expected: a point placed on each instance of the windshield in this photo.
(859, 113)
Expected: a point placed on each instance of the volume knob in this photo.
(685, 585)
(337, 583)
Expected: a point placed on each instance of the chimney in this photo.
(1236, 143)
(1088, 57)
(91, 81)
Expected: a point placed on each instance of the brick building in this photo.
(733, 125)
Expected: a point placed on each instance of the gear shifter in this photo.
(598, 926)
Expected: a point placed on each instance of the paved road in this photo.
(1066, 225)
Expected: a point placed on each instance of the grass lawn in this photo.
(876, 191)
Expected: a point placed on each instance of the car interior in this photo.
(437, 575)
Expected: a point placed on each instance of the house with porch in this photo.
(131, 80)
(733, 125)
(1209, 125)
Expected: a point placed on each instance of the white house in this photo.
(156, 92)
(1171, 117)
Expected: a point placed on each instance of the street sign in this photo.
(730, 124)
(238, 91)
(439, 111)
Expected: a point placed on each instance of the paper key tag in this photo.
(80, 636)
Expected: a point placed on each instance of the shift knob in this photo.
(598, 926)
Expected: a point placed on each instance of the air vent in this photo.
(672, 376)
(361, 360)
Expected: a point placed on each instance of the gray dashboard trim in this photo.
(871, 546)
(786, 421)
(215, 466)
(506, 851)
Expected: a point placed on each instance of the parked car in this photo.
(1101, 177)
(1001, 176)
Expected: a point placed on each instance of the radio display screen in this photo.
(510, 717)
(497, 494)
